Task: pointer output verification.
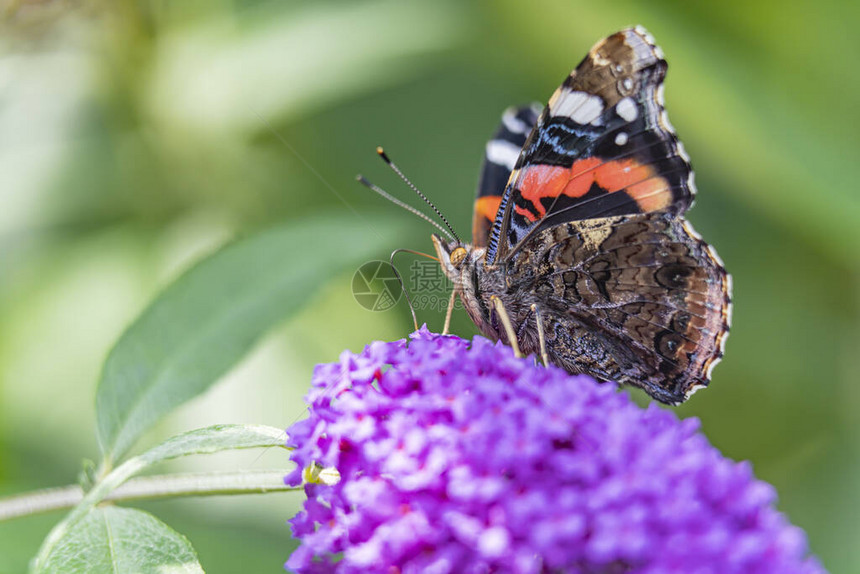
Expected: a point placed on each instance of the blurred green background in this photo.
(136, 137)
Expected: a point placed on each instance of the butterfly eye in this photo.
(458, 255)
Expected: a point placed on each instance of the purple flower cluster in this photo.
(462, 458)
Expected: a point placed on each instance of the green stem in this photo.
(200, 441)
(149, 487)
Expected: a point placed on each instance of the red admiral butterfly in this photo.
(580, 249)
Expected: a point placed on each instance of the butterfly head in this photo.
(457, 261)
(465, 266)
(453, 255)
(458, 256)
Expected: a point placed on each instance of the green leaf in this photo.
(200, 326)
(203, 72)
(112, 539)
(213, 439)
(200, 441)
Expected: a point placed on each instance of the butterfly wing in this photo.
(637, 299)
(603, 146)
(590, 230)
(501, 154)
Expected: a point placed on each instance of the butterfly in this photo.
(580, 249)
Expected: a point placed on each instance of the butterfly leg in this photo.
(524, 325)
(541, 336)
(506, 322)
(449, 312)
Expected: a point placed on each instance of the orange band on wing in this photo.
(524, 212)
(638, 180)
(488, 206)
(485, 211)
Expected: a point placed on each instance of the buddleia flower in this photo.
(441, 455)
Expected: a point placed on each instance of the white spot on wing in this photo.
(626, 108)
(709, 371)
(503, 153)
(728, 313)
(695, 388)
(690, 231)
(513, 123)
(650, 40)
(683, 152)
(659, 96)
(580, 107)
(621, 138)
(691, 176)
(664, 117)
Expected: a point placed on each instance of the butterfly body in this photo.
(583, 230)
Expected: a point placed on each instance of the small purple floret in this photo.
(459, 457)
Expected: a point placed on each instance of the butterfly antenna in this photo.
(373, 187)
(396, 169)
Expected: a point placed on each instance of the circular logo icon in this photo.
(375, 286)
